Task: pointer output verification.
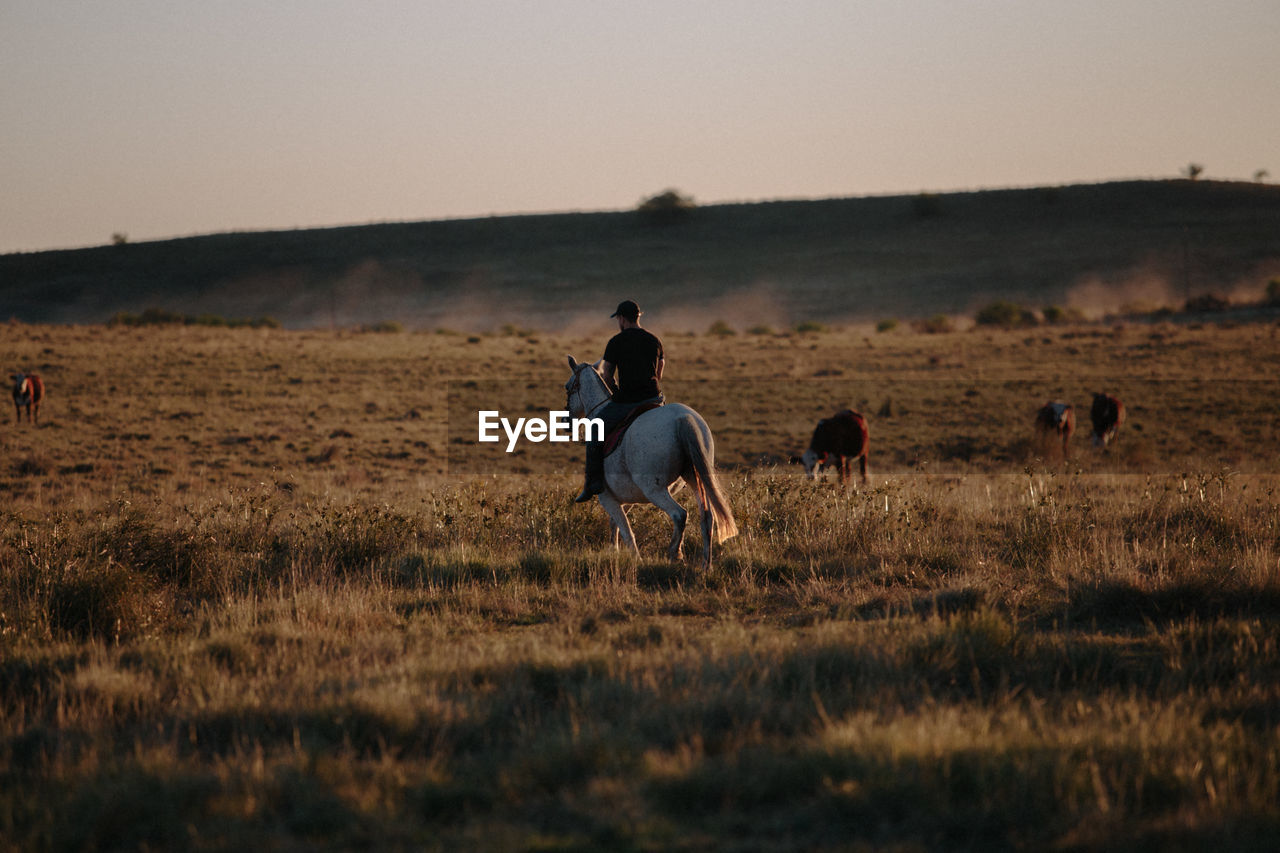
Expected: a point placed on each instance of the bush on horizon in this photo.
(1273, 291)
(938, 324)
(1006, 315)
(666, 208)
(809, 327)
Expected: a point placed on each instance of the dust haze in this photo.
(1150, 289)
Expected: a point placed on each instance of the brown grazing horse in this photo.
(28, 390)
(837, 441)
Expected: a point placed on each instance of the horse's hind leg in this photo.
(708, 519)
(708, 536)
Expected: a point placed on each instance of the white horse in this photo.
(659, 447)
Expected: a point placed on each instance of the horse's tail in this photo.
(710, 496)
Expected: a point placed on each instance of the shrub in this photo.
(32, 465)
(1132, 309)
(926, 205)
(887, 325)
(666, 208)
(1006, 315)
(352, 539)
(809, 327)
(761, 330)
(149, 317)
(163, 317)
(1273, 291)
(720, 329)
(102, 601)
(1206, 302)
(936, 325)
(1058, 314)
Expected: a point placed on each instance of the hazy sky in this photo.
(159, 118)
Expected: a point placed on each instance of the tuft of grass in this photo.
(33, 465)
(101, 601)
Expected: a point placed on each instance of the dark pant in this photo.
(612, 414)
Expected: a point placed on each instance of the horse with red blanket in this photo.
(1055, 421)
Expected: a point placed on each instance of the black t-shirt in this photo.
(636, 353)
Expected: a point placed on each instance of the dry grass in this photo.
(216, 631)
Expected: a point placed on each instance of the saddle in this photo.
(614, 438)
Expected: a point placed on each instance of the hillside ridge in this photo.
(1093, 246)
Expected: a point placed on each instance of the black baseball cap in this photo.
(627, 309)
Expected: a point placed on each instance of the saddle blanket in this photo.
(614, 438)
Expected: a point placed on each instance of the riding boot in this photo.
(594, 483)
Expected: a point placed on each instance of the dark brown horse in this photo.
(837, 441)
(1107, 414)
(28, 391)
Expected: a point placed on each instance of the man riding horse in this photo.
(636, 354)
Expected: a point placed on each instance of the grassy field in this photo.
(258, 589)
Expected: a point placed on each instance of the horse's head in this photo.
(583, 372)
(812, 462)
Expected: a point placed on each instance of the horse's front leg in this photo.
(621, 526)
(662, 499)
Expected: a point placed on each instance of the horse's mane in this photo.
(595, 368)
